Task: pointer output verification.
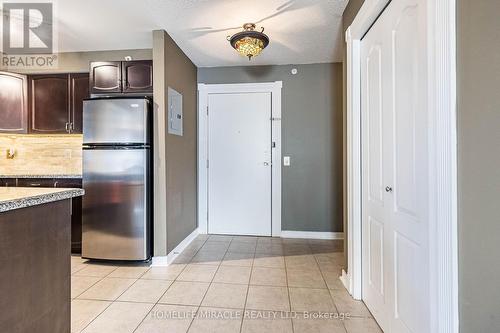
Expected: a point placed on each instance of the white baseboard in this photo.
(311, 234)
(160, 261)
(346, 281)
(182, 245)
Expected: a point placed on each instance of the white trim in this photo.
(203, 91)
(354, 253)
(345, 279)
(443, 159)
(311, 234)
(182, 246)
(443, 167)
(159, 261)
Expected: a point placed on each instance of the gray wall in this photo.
(311, 135)
(182, 159)
(478, 71)
(176, 160)
(159, 144)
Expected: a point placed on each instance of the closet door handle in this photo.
(388, 189)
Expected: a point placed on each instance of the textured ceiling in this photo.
(301, 31)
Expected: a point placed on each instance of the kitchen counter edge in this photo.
(39, 199)
(68, 176)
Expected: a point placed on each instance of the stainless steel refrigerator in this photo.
(116, 222)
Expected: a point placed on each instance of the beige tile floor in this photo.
(221, 284)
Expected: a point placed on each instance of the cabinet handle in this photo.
(66, 126)
(35, 184)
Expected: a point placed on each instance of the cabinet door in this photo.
(79, 85)
(8, 182)
(49, 103)
(36, 182)
(14, 103)
(105, 77)
(137, 76)
(76, 213)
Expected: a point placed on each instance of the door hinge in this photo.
(207, 110)
(207, 164)
(273, 145)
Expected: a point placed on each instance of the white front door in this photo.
(239, 167)
(395, 168)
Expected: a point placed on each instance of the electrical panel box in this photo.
(174, 112)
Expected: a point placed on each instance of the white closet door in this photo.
(239, 173)
(395, 209)
(376, 227)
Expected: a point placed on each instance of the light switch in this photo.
(286, 160)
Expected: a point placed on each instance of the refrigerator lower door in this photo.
(115, 219)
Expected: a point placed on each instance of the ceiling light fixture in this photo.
(249, 43)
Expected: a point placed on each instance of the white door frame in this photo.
(203, 91)
(442, 159)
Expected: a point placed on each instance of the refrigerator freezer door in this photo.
(111, 121)
(115, 213)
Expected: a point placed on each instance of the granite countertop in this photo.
(20, 197)
(41, 176)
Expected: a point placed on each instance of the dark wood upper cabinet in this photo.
(105, 77)
(137, 76)
(49, 103)
(79, 90)
(134, 76)
(13, 103)
(56, 102)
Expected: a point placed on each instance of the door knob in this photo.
(388, 189)
(266, 163)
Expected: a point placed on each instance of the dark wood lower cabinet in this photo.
(8, 182)
(35, 268)
(76, 226)
(76, 212)
(35, 182)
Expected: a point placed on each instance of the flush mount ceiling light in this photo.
(249, 43)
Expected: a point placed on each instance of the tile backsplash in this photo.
(40, 154)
